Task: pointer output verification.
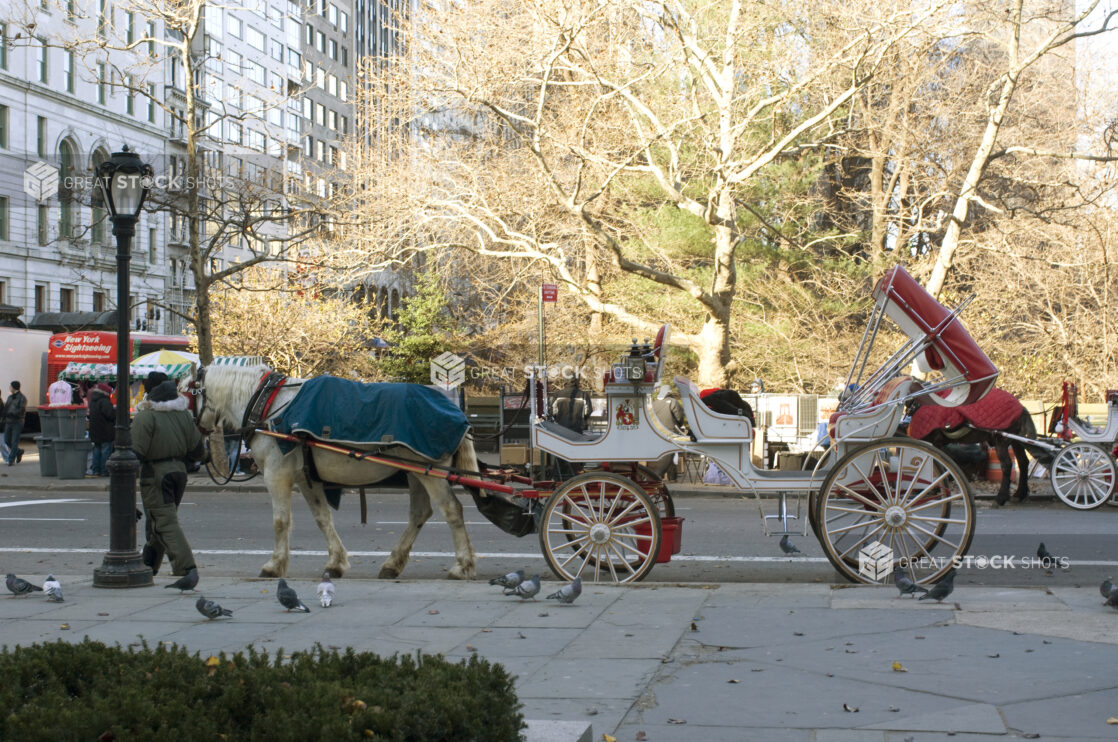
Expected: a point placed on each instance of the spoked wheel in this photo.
(601, 526)
(1083, 475)
(894, 501)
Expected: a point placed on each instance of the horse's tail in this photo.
(1028, 427)
(465, 459)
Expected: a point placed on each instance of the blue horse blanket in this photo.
(359, 414)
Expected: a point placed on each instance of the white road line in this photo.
(82, 520)
(488, 555)
(18, 503)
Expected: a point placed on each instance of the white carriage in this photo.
(875, 500)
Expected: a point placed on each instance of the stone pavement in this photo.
(679, 662)
(795, 663)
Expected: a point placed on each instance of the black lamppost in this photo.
(123, 181)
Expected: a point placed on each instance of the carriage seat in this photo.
(877, 420)
(708, 425)
(566, 433)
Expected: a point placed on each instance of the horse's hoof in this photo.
(268, 573)
(1001, 499)
(387, 574)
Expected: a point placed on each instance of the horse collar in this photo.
(256, 412)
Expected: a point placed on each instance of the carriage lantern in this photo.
(123, 182)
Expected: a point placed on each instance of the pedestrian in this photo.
(164, 438)
(102, 427)
(60, 392)
(15, 409)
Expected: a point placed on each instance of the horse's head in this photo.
(222, 392)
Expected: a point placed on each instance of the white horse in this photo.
(225, 391)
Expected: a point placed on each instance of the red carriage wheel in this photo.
(601, 526)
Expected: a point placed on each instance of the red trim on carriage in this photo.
(953, 350)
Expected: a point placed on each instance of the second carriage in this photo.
(876, 500)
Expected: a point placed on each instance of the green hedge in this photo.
(58, 692)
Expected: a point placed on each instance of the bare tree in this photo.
(554, 132)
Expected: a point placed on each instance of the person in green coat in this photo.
(165, 438)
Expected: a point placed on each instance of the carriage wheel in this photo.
(600, 526)
(894, 501)
(1083, 475)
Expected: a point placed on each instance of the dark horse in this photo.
(982, 422)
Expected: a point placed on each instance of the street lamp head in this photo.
(124, 180)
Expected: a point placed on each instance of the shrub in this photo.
(58, 692)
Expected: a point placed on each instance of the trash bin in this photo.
(48, 466)
(71, 457)
(48, 422)
(71, 421)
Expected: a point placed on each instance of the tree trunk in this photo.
(713, 351)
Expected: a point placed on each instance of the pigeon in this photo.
(210, 609)
(526, 589)
(20, 586)
(567, 594)
(326, 590)
(186, 582)
(1106, 588)
(787, 546)
(511, 580)
(289, 600)
(53, 589)
(1112, 599)
(941, 589)
(1049, 559)
(905, 583)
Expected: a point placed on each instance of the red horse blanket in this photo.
(996, 411)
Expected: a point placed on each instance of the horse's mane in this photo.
(229, 388)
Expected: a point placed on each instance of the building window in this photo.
(256, 73)
(276, 48)
(151, 102)
(151, 38)
(320, 41)
(130, 27)
(3, 292)
(99, 301)
(65, 300)
(3, 219)
(4, 127)
(256, 39)
(102, 83)
(66, 219)
(103, 20)
(44, 72)
(233, 26)
(41, 136)
(71, 73)
(40, 298)
(43, 216)
(153, 235)
(3, 46)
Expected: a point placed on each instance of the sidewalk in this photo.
(795, 663)
(679, 662)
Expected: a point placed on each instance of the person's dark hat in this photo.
(164, 392)
(103, 387)
(154, 379)
(15, 385)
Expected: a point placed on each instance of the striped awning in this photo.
(107, 371)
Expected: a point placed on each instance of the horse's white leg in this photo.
(464, 558)
(419, 511)
(279, 482)
(315, 495)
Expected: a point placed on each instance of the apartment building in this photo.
(62, 110)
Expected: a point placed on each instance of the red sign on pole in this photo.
(549, 292)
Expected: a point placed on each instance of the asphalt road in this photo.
(722, 540)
